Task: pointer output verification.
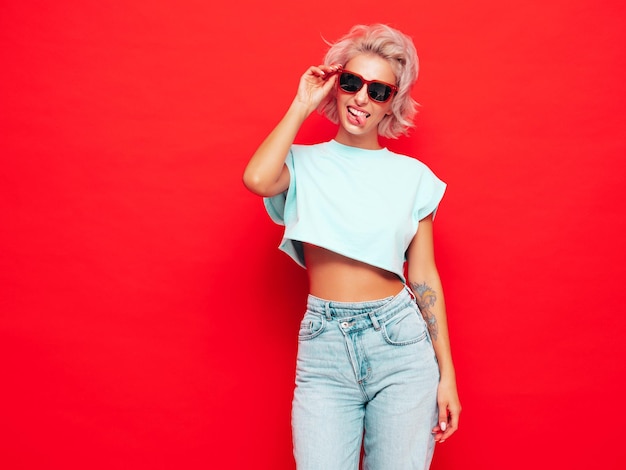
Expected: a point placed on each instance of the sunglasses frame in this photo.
(394, 89)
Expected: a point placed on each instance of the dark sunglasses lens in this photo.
(379, 91)
(350, 83)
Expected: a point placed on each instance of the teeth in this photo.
(356, 112)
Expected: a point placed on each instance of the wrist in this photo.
(300, 109)
(447, 372)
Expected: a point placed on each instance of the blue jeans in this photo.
(366, 373)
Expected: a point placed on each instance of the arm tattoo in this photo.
(425, 296)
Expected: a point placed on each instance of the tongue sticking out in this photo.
(359, 116)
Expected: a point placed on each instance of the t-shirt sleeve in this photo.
(430, 191)
(276, 206)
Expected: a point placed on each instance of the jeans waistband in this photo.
(379, 308)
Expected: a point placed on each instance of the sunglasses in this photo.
(380, 92)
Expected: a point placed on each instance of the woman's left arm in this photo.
(426, 285)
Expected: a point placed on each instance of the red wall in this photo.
(147, 319)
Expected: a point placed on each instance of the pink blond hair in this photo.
(396, 48)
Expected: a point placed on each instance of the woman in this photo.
(370, 368)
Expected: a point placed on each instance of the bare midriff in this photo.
(336, 277)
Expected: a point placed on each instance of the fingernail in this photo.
(443, 426)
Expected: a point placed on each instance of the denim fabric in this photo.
(366, 374)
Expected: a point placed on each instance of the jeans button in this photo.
(345, 324)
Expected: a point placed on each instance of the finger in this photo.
(438, 431)
(454, 419)
(453, 425)
(443, 418)
(330, 70)
(446, 434)
(317, 71)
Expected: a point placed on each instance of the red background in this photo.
(147, 319)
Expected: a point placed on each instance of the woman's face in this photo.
(359, 115)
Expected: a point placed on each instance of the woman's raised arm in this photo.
(266, 173)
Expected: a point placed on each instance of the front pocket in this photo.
(407, 327)
(312, 325)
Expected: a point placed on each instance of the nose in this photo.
(361, 96)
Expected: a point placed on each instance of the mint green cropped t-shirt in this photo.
(362, 204)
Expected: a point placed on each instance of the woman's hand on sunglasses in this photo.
(315, 85)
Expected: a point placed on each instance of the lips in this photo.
(358, 115)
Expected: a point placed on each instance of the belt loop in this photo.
(327, 308)
(411, 293)
(375, 322)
